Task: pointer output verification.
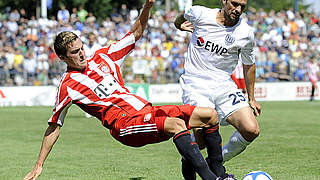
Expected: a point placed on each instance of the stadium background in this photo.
(286, 36)
(285, 40)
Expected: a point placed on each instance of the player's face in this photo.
(75, 56)
(234, 8)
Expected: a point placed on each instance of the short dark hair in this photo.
(62, 40)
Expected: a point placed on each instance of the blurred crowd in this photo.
(285, 43)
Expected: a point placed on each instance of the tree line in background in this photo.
(267, 5)
(103, 8)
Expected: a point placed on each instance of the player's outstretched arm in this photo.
(50, 137)
(249, 72)
(141, 23)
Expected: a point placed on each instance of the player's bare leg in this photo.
(247, 130)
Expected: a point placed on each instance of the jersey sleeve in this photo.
(247, 52)
(63, 102)
(193, 14)
(119, 50)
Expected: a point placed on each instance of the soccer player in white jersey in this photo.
(219, 38)
(96, 86)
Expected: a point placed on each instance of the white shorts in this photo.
(225, 98)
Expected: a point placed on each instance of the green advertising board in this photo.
(141, 90)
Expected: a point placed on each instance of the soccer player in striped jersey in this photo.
(96, 86)
(313, 72)
(220, 37)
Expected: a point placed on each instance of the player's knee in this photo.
(256, 133)
(174, 125)
(252, 133)
(203, 117)
(212, 116)
(178, 125)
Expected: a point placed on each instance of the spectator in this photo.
(3, 68)
(116, 17)
(133, 14)
(269, 74)
(299, 74)
(63, 14)
(9, 55)
(42, 60)
(91, 18)
(14, 15)
(18, 59)
(82, 14)
(74, 15)
(283, 41)
(273, 57)
(30, 66)
(92, 44)
(12, 26)
(124, 12)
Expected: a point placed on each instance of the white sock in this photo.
(234, 147)
(88, 115)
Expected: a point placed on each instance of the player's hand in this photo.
(149, 3)
(255, 106)
(34, 174)
(187, 26)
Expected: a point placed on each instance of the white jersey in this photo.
(213, 54)
(214, 50)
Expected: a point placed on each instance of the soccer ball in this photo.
(257, 175)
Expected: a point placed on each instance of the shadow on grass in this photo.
(137, 178)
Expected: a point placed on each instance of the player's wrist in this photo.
(39, 164)
(251, 99)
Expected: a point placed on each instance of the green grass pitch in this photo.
(288, 147)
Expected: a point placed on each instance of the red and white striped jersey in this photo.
(238, 71)
(313, 70)
(99, 89)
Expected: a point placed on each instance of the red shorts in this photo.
(313, 80)
(239, 82)
(147, 126)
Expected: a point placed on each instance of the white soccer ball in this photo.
(257, 175)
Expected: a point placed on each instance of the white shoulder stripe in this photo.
(123, 43)
(59, 87)
(60, 105)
